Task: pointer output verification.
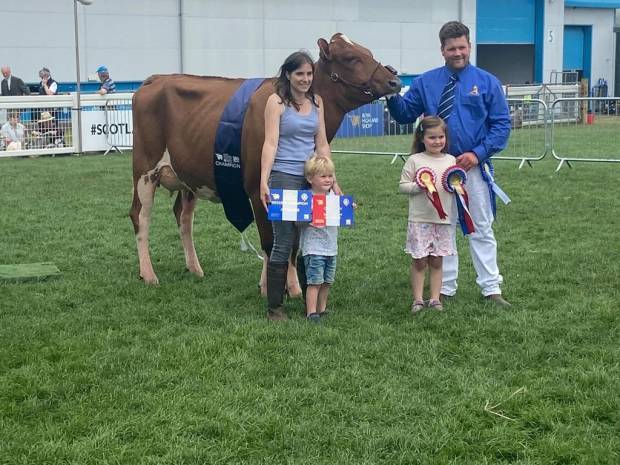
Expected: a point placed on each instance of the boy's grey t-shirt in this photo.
(319, 241)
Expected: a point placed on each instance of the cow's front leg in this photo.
(292, 280)
(184, 207)
(140, 213)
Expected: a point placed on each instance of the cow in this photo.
(175, 119)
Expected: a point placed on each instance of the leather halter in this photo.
(364, 86)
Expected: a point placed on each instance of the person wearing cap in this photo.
(12, 85)
(107, 84)
(13, 132)
(48, 85)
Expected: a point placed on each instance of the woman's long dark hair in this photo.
(425, 124)
(283, 85)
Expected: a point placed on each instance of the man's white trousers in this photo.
(482, 243)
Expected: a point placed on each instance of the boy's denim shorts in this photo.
(320, 269)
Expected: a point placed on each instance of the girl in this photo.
(294, 131)
(429, 237)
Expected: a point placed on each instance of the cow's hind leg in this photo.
(140, 214)
(184, 213)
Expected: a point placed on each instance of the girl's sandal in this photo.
(417, 306)
(435, 304)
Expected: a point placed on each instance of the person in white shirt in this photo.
(13, 132)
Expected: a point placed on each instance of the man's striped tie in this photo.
(447, 98)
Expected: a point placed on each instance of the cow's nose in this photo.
(395, 84)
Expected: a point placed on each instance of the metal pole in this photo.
(77, 69)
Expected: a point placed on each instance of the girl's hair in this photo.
(319, 164)
(283, 84)
(425, 124)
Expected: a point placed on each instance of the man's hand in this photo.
(467, 160)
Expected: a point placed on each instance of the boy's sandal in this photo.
(313, 318)
(435, 304)
(417, 306)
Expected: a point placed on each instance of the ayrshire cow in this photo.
(177, 121)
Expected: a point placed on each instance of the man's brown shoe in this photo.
(498, 300)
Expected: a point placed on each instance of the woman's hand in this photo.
(264, 194)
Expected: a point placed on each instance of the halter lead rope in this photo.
(364, 87)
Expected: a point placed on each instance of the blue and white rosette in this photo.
(488, 174)
(453, 181)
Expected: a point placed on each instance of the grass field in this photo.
(96, 368)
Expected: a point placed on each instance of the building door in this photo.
(578, 50)
(509, 39)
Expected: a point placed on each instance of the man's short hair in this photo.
(453, 30)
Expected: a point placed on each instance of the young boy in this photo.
(319, 245)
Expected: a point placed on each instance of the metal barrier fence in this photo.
(572, 129)
(583, 130)
(119, 124)
(372, 131)
(528, 140)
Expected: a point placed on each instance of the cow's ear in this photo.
(324, 49)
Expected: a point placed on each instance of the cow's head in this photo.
(354, 67)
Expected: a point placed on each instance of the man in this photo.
(472, 103)
(12, 85)
(107, 85)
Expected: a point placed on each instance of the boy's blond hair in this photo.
(319, 164)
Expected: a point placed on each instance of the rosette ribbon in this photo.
(488, 174)
(425, 178)
(453, 181)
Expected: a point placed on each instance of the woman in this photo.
(294, 131)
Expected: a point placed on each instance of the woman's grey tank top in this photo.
(296, 142)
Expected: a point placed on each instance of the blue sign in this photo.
(363, 122)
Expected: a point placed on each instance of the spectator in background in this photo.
(12, 85)
(47, 134)
(13, 132)
(48, 85)
(107, 84)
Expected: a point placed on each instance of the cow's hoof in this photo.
(294, 291)
(151, 281)
(198, 273)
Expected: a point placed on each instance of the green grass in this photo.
(96, 368)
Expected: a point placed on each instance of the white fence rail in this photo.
(568, 127)
(39, 135)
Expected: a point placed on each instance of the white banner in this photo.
(96, 131)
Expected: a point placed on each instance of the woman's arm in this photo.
(273, 111)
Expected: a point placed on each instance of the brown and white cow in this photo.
(175, 118)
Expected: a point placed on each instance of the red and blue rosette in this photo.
(453, 181)
(425, 178)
